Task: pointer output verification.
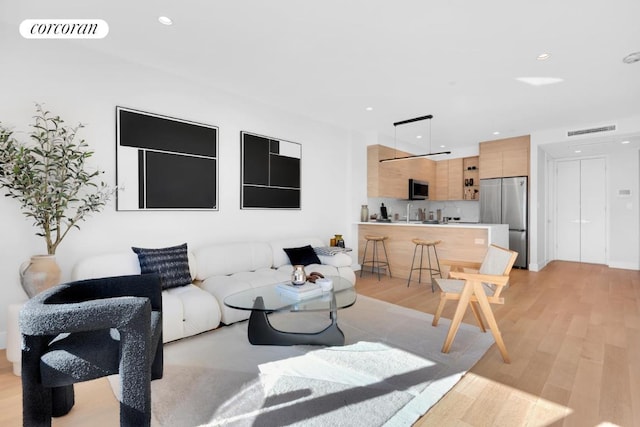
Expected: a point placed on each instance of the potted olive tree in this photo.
(49, 176)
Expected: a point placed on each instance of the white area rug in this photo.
(390, 372)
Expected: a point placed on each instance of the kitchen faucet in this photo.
(408, 211)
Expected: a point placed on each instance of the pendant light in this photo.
(414, 156)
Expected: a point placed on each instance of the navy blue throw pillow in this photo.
(304, 255)
(171, 264)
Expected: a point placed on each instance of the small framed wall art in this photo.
(271, 172)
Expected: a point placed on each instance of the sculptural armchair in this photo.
(477, 289)
(88, 329)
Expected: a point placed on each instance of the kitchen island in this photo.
(460, 241)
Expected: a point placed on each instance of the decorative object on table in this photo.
(314, 275)
(325, 284)
(339, 241)
(364, 213)
(299, 292)
(52, 181)
(271, 170)
(165, 163)
(298, 276)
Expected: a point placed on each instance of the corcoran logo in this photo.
(64, 28)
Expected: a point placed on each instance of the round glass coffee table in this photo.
(269, 299)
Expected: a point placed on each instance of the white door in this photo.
(568, 211)
(581, 210)
(593, 211)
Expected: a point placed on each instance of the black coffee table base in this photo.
(262, 333)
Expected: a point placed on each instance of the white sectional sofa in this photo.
(217, 270)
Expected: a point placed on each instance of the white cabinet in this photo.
(581, 210)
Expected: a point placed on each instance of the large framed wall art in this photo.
(164, 163)
(271, 171)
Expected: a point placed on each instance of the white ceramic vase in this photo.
(39, 273)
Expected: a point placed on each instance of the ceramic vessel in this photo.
(298, 276)
(364, 213)
(39, 273)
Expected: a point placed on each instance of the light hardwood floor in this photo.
(572, 330)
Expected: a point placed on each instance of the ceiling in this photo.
(330, 60)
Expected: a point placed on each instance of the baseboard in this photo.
(3, 340)
(625, 265)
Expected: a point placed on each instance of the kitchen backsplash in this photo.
(466, 210)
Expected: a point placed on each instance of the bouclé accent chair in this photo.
(89, 329)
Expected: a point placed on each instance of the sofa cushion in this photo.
(171, 264)
(201, 311)
(229, 258)
(106, 265)
(304, 255)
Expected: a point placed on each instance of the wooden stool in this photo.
(375, 261)
(432, 270)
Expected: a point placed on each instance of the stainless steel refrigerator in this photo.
(504, 201)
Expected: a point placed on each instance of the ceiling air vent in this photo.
(592, 130)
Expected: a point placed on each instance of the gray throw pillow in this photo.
(171, 264)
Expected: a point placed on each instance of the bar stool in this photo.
(432, 271)
(375, 261)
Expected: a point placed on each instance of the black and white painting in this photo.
(165, 163)
(271, 170)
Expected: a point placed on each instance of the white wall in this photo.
(82, 86)
(624, 229)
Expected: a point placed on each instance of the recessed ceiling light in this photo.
(539, 81)
(631, 58)
(418, 136)
(165, 20)
(543, 56)
(442, 146)
(369, 108)
(496, 133)
(625, 142)
(578, 151)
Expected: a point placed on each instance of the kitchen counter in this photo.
(460, 241)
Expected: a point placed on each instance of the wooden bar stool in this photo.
(375, 261)
(433, 271)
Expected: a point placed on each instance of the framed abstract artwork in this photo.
(164, 163)
(271, 173)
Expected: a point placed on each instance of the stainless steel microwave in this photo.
(418, 190)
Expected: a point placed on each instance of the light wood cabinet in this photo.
(391, 179)
(441, 190)
(455, 179)
(504, 157)
(449, 180)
